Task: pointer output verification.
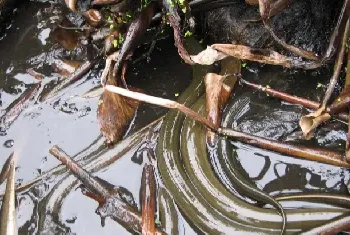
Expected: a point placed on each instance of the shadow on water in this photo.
(70, 122)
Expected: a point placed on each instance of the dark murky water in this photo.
(70, 122)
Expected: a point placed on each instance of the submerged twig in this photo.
(89, 181)
(8, 207)
(98, 146)
(12, 114)
(77, 75)
(113, 206)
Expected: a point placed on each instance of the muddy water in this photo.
(70, 121)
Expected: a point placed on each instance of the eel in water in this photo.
(198, 205)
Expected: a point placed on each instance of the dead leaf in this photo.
(208, 56)
(213, 86)
(310, 122)
(93, 17)
(67, 38)
(254, 54)
(114, 113)
(218, 89)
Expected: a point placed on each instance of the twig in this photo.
(337, 31)
(334, 226)
(337, 67)
(12, 114)
(310, 122)
(148, 199)
(78, 74)
(347, 83)
(120, 211)
(313, 154)
(89, 181)
(265, 7)
(306, 103)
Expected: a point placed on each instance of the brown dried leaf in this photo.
(69, 39)
(93, 17)
(259, 55)
(310, 122)
(114, 113)
(208, 56)
(213, 86)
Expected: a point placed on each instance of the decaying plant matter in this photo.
(124, 27)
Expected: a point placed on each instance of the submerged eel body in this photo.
(204, 201)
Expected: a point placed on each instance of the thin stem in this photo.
(337, 66)
(313, 154)
(161, 102)
(306, 103)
